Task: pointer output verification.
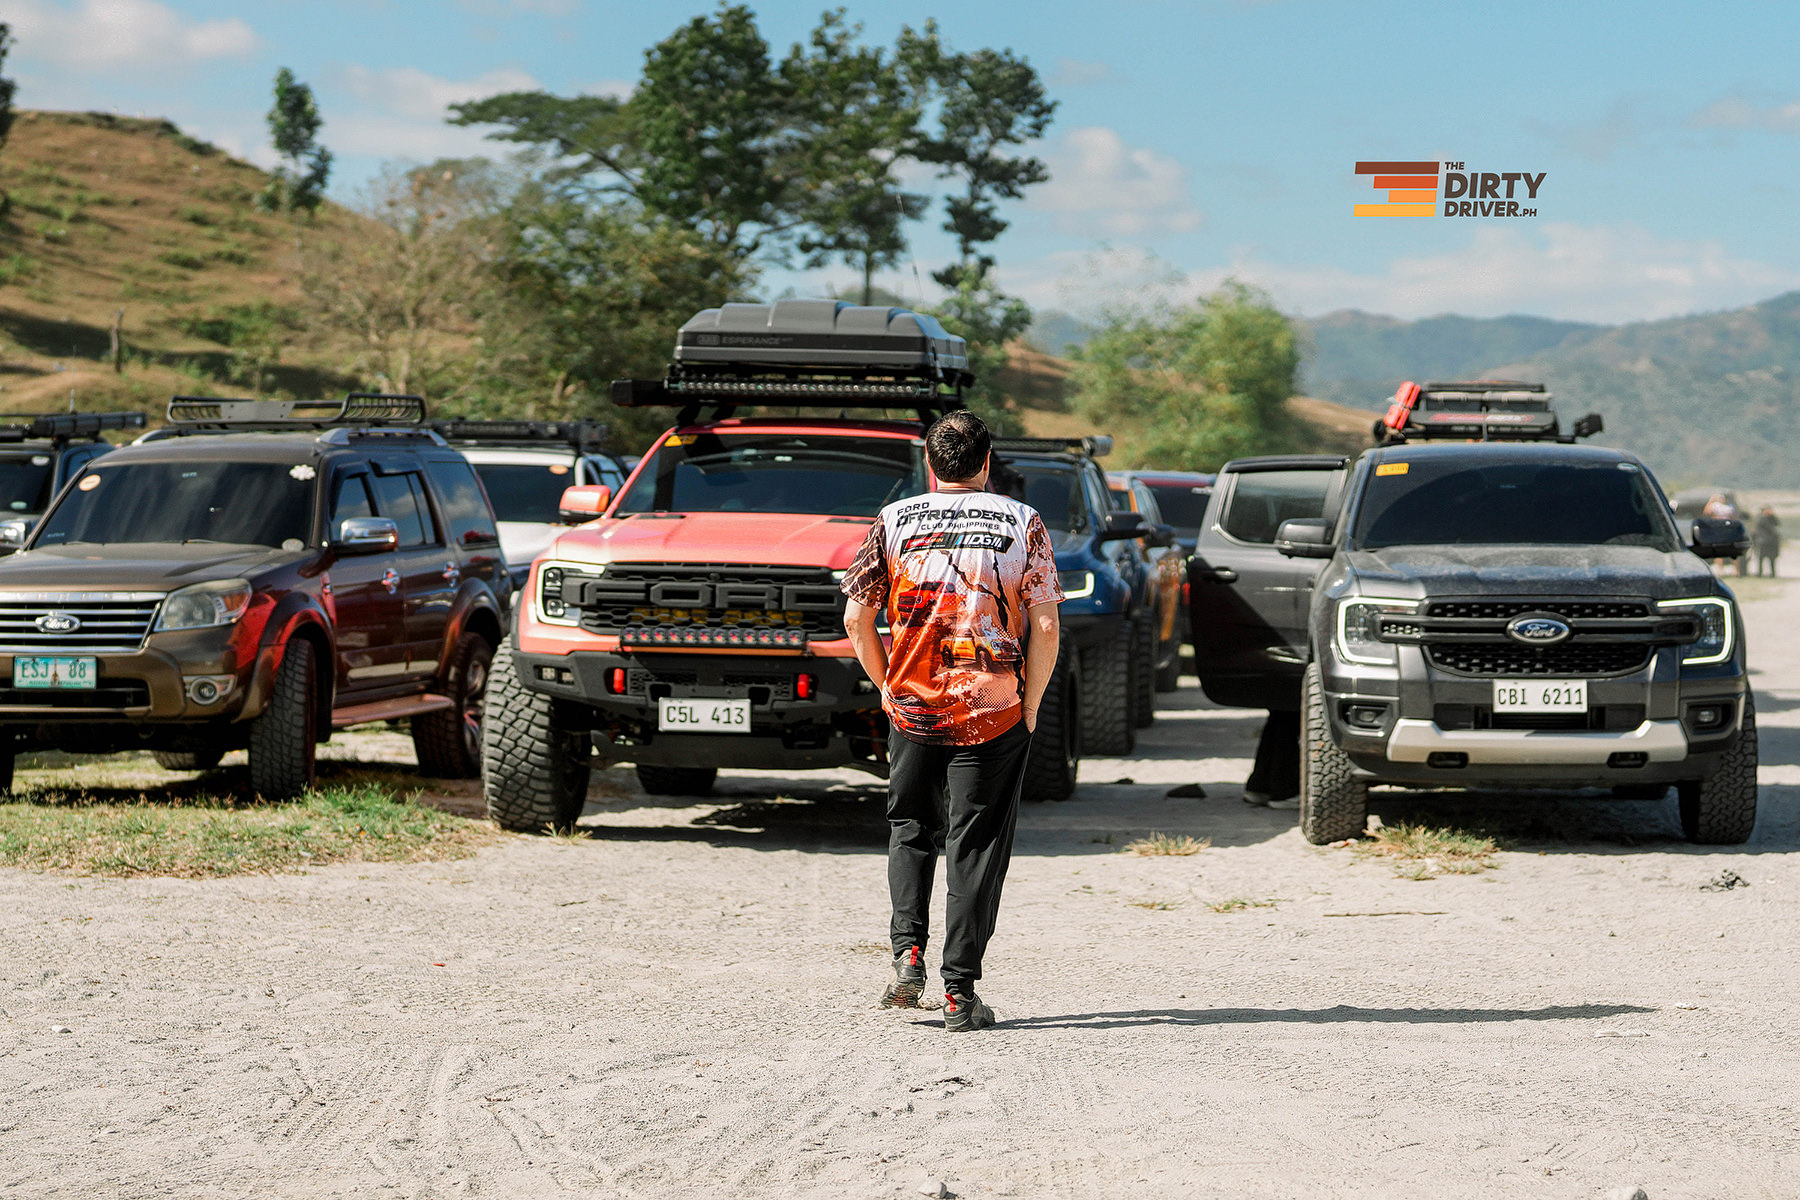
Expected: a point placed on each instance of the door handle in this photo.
(390, 579)
(452, 572)
(1221, 575)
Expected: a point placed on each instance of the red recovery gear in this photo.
(1400, 411)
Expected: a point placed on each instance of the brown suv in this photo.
(255, 575)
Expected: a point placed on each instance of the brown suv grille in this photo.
(30, 624)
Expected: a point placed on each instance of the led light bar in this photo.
(63, 426)
(730, 637)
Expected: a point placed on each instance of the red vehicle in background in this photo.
(698, 622)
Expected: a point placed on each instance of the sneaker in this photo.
(965, 1013)
(1291, 804)
(1255, 799)
(909, 980)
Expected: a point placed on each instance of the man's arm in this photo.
(859, 623)
(1040, 657)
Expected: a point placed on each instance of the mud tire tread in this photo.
(1334, 803)
(1107, 727)
(1054, 760)
(1143, 669)
(282, 739)
(187, 760)
(438, 737)
(1721, 809)
(534, 773)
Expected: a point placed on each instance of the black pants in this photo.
(1277, 770)
(962, 801)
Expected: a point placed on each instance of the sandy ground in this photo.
(682, 1005)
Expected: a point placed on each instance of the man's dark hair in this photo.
(957, 446)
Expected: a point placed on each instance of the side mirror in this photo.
(13, 532)
(1162, 535)
(1719, 537)
(1307, 537)
(1119, 526)
(368, 535)
(583, 502)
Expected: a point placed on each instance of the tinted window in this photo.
(526, 491)
(1510, 503)
(1182, 505)
(1262, 500)
(25, 482)
(777, 473)
(465, 507)
(252, 504)
(1055, 491)
(1146, 504)
(396, 500)
(351, 500)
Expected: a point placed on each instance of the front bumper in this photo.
(1415, 741)
(839, 724)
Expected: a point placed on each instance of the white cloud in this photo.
(1572, 272)
(1735, 112)
(1100, 186)
(398, 112)
(99, 34)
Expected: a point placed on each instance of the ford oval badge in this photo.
(1537, 630)
(58, 622)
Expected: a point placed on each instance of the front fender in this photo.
(475, 607)
(294, 612)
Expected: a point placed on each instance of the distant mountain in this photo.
(1711, 397)
(1054, 331)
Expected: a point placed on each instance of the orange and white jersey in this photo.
(957, 572)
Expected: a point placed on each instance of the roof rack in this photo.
(66, 427)
(194, 414)
(582, 435)
(1094, 446)
(1482, 410)
(809, 354)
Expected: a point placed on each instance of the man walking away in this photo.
(968, 581)
(1765, 540)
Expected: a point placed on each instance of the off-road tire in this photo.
(187, 760)
(534, 772)
(282, 739)
(448, 743)
(1720, 810)
(1107, 727)
(1054, 759)
(1334, 802)
(1143, 673)
(677, 781)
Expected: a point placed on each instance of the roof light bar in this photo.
(66, 426)
(1094, 445)
(582, 435)
(1480, 410)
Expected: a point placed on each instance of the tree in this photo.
(584, 136)
(8, 88)
(298, 184)
(985, 102)
(987, 319)
(850, 117)
(403, 284)
(1194, 385)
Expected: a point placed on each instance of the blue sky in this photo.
(1195, 140)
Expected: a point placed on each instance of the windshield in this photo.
(526, 491)
(1182, 505)
(776, 473)
(1456, 502)
(241, 503)
(25, 482)
(1054, 491)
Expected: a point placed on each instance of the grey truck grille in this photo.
(38, 623)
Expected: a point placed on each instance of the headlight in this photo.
(1717, 635)
(204, 605)
(1076, 585)
(1356, 640)
(552, 609)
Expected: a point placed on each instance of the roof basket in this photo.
(582, 435)
(1094, 446)
(1481, 410)
(66, 427)
(357, 408)
(808, 354)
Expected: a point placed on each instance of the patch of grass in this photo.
(196, 216)
(1179, 844)
(1155, 905)
(53, 233)
(15, 267)
(209, 837)
(1420, 852)
(187, 260)
(1240, 904)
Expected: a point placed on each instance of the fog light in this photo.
(1448, 760)
(1365, 716)
(805, 686)
(208, 689)
(1625, 759)
(1709, 718)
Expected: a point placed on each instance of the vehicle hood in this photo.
(150, 567)
(1417, 571)
(760, 538)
